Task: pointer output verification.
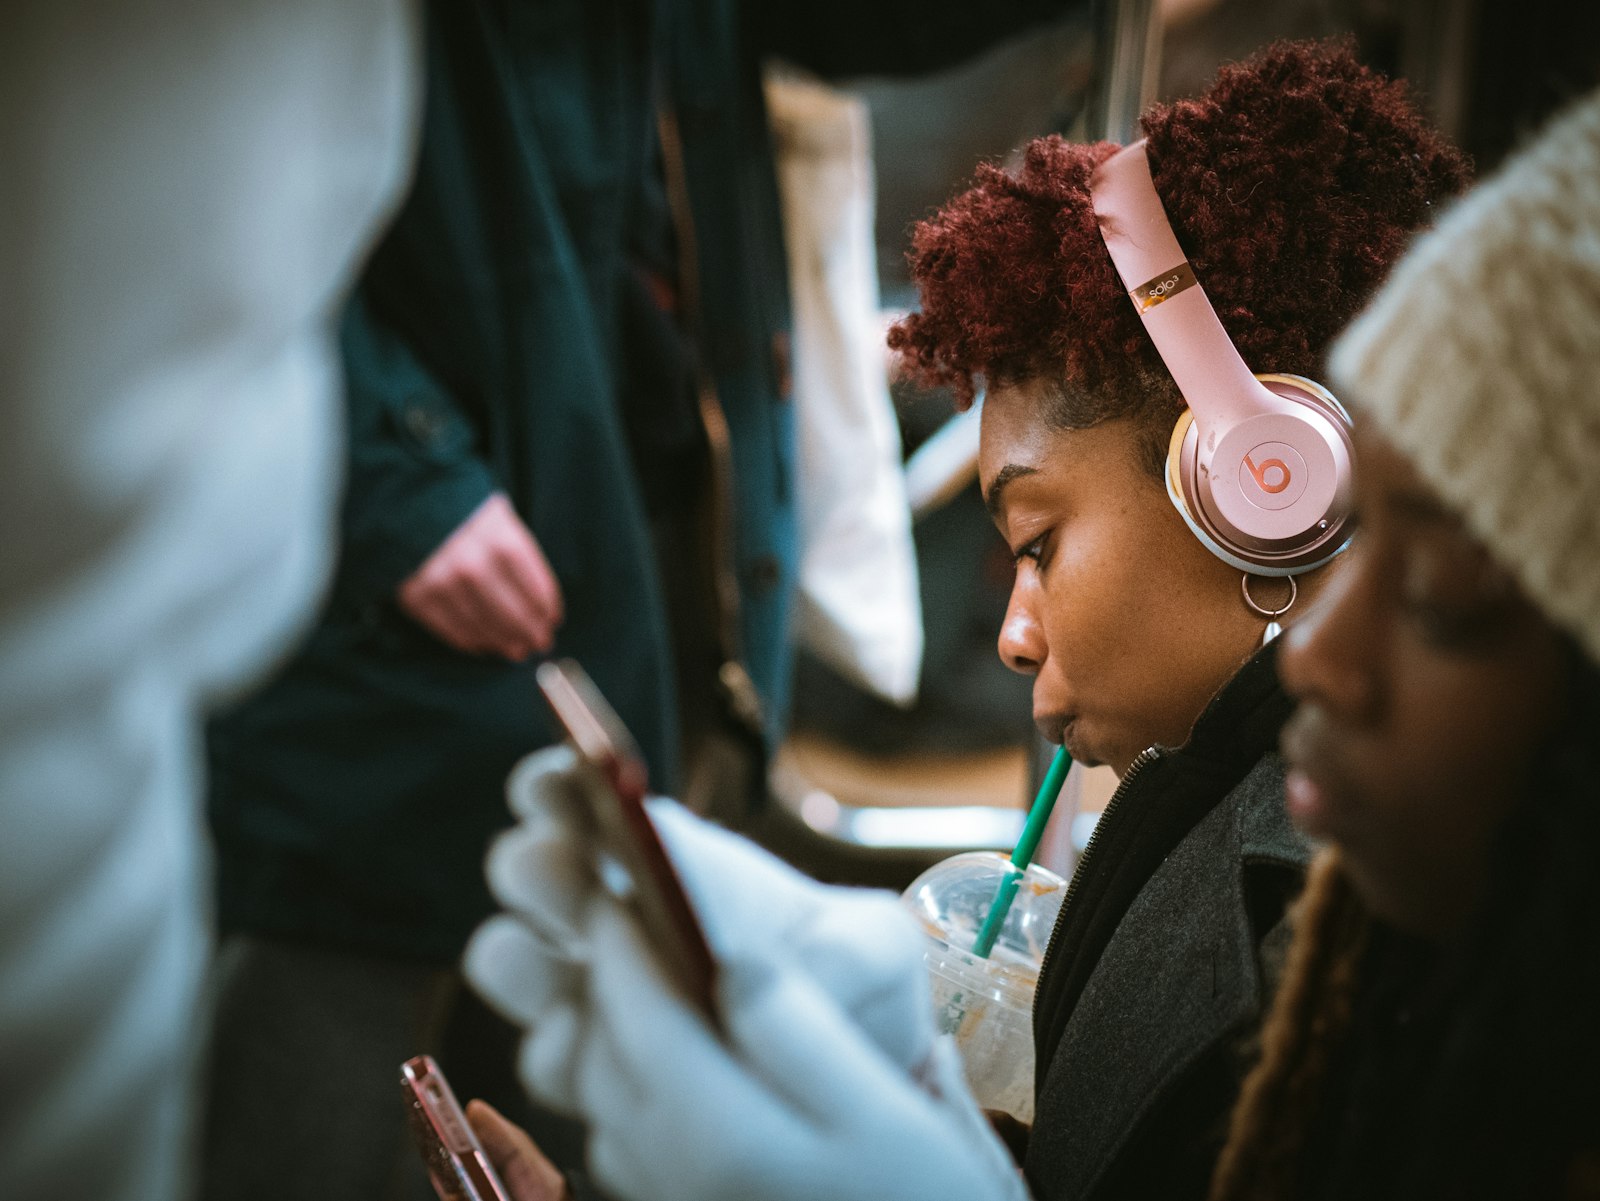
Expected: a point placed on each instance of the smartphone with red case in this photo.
(626, 836)
(454, 1158)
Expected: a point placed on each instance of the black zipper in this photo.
(1140, 761)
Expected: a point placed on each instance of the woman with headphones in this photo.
(1146, 324)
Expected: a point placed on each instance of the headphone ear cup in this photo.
(1238, 545)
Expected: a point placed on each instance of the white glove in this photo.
(855, 942)
(822, 991)
(796, 1104)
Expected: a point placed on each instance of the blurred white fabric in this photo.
(858, 606)
(185, 192)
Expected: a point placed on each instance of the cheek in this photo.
(1141, 622)
(1085, 602)
(1467, 730)
(1098, 612)
(1457, 749)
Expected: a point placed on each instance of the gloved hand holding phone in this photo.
(826, 1077)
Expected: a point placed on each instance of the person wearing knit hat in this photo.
(1438, 1030)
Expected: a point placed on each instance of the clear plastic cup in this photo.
(987, 1004)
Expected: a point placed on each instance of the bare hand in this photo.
(488, 589)
(525, 1171)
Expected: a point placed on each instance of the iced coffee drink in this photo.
(987, 1003)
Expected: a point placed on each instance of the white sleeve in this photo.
(185, 194)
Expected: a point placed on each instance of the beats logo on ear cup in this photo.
(1272, 476)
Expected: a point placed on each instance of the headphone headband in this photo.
(1176, 312)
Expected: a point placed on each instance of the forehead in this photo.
(1013, 429)
(1404, 516)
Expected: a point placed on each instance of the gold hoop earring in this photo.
(1273, 627)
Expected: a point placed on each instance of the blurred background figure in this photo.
(186, 192)
(570, 433)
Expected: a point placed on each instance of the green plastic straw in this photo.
(1049, 789)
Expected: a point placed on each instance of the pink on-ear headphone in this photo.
(1259, 465)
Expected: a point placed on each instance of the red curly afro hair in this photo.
(1293, 184)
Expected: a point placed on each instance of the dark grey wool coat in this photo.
(1161, 965)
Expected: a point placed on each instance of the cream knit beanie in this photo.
(1480, 361)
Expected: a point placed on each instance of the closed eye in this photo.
(1031, 551)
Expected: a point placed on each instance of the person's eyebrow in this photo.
(997, 486)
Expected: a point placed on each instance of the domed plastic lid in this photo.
(952, 898)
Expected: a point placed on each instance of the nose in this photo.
(1022, 644)
(1332, 654)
